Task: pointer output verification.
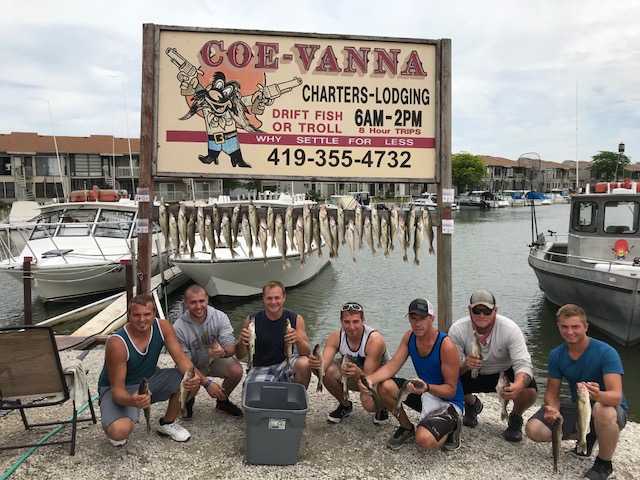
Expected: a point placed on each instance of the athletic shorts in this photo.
(488, 383)
(216, 368)
(569, 412)
(162, 384)
(273, 373)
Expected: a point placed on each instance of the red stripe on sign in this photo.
(308, 140)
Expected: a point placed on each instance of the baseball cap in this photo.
(483, 297)
(421, 306)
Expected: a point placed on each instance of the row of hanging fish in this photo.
(300, 230)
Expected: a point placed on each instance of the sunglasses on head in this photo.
(356, 307)
(484, 310)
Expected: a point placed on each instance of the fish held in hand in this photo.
(584, 416)
(404, 393)
(476, 349)
(317, 352)
(556, 441)
(346, 359)
(374, 393)
(252, 341)
(503, 382)
(288, 347)
(185, 395)
(143, 389)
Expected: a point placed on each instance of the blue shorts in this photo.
(162, 384)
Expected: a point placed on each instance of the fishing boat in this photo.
(430, 202)
(244, 272)
(595, 265)
(76, 247)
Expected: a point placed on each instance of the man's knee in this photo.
(425, 439)
(537, 431)
(604, 413)
(120, 429)
(233, 371)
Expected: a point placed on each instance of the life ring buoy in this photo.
(109, 196)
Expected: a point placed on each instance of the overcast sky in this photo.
(548, 76)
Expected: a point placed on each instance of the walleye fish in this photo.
(185, 395)
(175, 237)
(263, 235)
(235, 221)
(393, 224)
(359, 226)
(584, 416)
(210, 235)
(374, 393)
(182, 227)
(306, 218)
(288, 222)
(428, 228)
(345, 380)
(191, 235)
(351, 239)
(341, 225)
(217, 223)
(476, 348)
(316, 235)
(402, 236)
(503, 382)
(163, 214)
(556, 441)
(417, 241)
(411, 224)
(333, 229)
(246, 233)
(384, 236)
(375, 227)
(281, 238)
(271, 225)
(214, 345)
(143, 389)
(252, 341)
(368, 235)
(201, 229)
(404, 393)
(226, 233)
(317, 352)
(255, 225)
(323, 218)
(299, 234)
(288, 347)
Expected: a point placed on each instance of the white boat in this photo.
(559, 195)
(76, 247)
(430, 202)
(515, 198)
(595, 266)
(246, 274)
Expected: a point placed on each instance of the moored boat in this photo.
(595, 266)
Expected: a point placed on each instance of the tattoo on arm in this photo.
(526, 379)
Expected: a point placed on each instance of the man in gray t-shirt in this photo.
(206, 337)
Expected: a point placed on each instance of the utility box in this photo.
(274, 414)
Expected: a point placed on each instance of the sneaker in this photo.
(383, 418)
(601, 470)
(471, 413)
(339, 413)
(228, 408)
(402, 436)
(117, 443)
(591, 442)
(189, 414)
(453, 439)
(174, 430)
(513, 433)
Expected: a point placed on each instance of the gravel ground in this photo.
(353, 449)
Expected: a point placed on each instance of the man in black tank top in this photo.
(271, 361)
(367, 351)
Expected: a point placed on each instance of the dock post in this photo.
(128, 270)
(26, 281)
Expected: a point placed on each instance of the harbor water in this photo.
(490, 250)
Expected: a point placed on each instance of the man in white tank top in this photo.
(367, 352)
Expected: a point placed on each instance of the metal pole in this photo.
(26, 281)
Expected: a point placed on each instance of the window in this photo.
(47, 166)
(621, 217)
(86, 166)
(114, 224)
(77, 223)
(5, 165)
(584, 217)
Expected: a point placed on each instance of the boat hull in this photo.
(611, 300)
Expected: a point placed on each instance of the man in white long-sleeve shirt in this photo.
(502, 349)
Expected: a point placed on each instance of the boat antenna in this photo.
(126, 119)
(577, 161)
(55, 143)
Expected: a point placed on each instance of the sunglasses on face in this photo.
(481, 310)
(356, 307)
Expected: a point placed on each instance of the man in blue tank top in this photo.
(368, 352)
(437, 395)
(274, 360)
(596, 365)
(132, 354)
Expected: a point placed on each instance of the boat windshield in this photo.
(621, 217)
(114, 224)
(584, 217)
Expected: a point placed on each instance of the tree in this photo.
(609, 166)
(467, 170)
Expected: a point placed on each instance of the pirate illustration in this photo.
(223, 107)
